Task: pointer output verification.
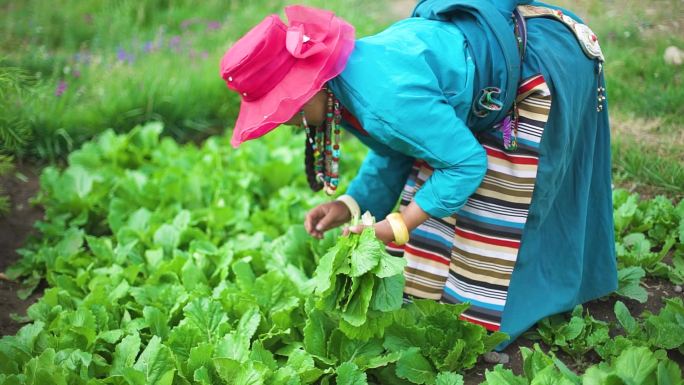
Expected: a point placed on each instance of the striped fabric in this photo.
(470, 256)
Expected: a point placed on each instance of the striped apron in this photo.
(470, 256)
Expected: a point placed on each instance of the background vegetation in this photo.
(79, 70)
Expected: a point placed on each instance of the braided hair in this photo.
(309, 161)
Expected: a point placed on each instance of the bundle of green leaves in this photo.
(358, 275)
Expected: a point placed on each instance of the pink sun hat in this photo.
(277, 68)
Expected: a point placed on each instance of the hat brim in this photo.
(302, 82)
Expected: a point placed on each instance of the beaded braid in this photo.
(309, 161)
(322, 148)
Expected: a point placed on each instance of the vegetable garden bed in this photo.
(169, 264)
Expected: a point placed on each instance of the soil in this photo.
(15, 227)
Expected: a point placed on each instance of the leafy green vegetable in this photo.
(172, 264)
(629, 283)
(634, 365)
(646, 233)
(357, 275)
(576, 336)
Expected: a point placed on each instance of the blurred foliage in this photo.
(115, 64)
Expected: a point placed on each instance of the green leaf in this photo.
(42, 370)
(80, 180)
(349, 374)
(414, 367)
(367, 254)
(202, 376)
(597, 376)
(625, 318)
(389, 266)
(573, 329)
(669, 373)
(157, 363)
(234, 346)
(192, 275)
(358, 305)
(629, 283)
(534, 361)
(140, 220)
(167, 236)
(449, 378)
(388, 294)
(207, 315)
(157, 321)
(110, 336)
(285, 376)
(637, 365)
(501, 376)
(324, 272)
(228, 369)
(665, 329)
(244, 275)
(303, 363)
(200, 356)
(27, 336)
(260, 354)
(249, 322)
(125, 353)
(375, 325)
(71, 243)
(316, 333)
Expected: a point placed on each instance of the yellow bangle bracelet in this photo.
(401, 234)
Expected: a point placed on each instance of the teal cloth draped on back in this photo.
(567, 254)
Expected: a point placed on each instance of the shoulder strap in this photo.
(585, 36)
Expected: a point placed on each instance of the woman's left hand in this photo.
(383, 231)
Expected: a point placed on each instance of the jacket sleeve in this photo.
(411, 87)
(381, 178)
(440, 138)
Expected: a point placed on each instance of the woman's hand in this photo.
(383, 231)
(325, 217)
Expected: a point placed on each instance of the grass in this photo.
(646, 94)
(634, 35)
(94, 65)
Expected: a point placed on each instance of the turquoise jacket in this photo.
(411, 88)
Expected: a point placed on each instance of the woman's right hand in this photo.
(325, 217)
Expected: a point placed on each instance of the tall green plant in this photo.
(14, 130)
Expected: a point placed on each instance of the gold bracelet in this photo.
(401, 234)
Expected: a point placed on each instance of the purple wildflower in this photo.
(188, 22)
(213, 25)
(148, 47)
(121, 54)
(124, 56)
(77, 73)
(61, 87)
(175, 41)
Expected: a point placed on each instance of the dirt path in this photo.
(14, 229)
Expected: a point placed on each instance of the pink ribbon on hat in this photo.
(301, 45)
